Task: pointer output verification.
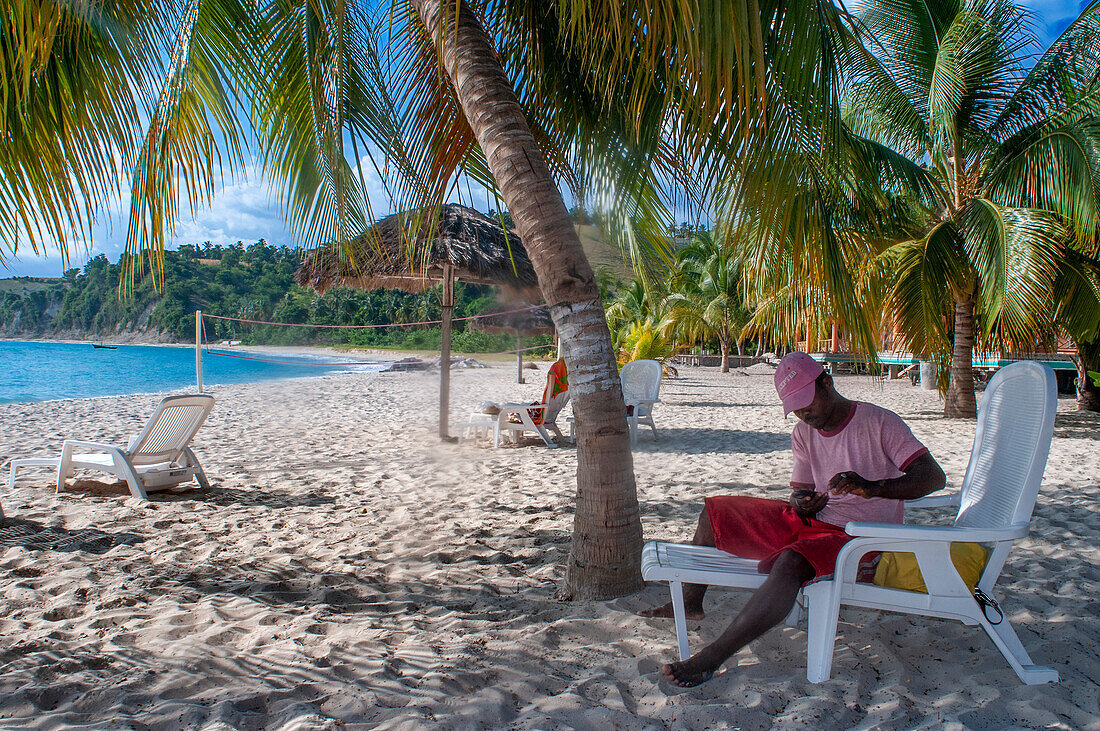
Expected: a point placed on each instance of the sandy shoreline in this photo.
(348, 571)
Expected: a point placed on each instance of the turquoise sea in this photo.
(43, 371)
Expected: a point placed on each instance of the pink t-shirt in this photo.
(872, 441)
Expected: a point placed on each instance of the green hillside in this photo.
(254, 283)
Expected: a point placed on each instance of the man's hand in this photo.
(807, 503)
(852, 483)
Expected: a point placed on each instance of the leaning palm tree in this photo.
(593, 109)
(965, 176)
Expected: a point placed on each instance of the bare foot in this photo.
(689, 673)
(665, 611)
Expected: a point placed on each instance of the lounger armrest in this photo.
(935, 500)
(96, 446)
(901, 531)
(517, 407)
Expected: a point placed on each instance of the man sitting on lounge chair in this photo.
(852, 461)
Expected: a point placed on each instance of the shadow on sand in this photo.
(38, 537)
(215, 495)
(717, 404)
(704, 441)
(1077, 425)
(258, 495)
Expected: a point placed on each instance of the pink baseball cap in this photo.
(794, 380)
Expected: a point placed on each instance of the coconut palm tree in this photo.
(645, 340)
(969, 179)
(1078, 315)
(633, 303)
(707, 301)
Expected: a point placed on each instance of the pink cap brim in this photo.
(800, 399)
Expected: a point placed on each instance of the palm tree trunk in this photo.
(725, 354)
(1088, 359)
(607, 534)
(960, 394)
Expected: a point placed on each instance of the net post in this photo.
(198, 349)
(519, 358)
(445, 354)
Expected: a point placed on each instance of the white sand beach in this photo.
(346, 570)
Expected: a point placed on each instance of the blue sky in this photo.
(244, 210)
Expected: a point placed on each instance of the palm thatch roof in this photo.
(525, 322)
(407, 251)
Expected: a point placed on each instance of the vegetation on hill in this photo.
(252, 282)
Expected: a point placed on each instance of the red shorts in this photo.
(758, 528)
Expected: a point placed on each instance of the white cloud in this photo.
(243, 209)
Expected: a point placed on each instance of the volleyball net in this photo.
(220, 347)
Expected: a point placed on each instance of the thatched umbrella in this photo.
(411, 252)
(524, 322)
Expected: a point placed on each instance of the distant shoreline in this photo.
(327, 350)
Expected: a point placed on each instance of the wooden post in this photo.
(519, 358)
(198, 349)
(445, 355)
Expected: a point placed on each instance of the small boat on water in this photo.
(101, 346)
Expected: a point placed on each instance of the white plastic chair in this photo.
(641, 380)
(158, 457)
(1015, 425)
(550, 406)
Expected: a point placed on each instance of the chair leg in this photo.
(823, 610)
(546, 438)
(133, 480)
(676, 588)
(136, 488)
(1006, 640)
(64, 467)
(200, 474)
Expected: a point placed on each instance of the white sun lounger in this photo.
(157, 458)
(550, 406)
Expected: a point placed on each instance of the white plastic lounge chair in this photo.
(158, 457)
(1015, 424)
(550, 406)
(641, 381)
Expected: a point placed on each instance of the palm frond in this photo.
(1077, 293)
(1053, 165)
(74, 78)
(1067, 75)
(1017, 254)
(195, 115)
(928, 273)
(317, 94)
